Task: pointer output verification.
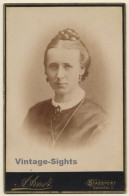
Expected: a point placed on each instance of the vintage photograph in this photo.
(64, 80)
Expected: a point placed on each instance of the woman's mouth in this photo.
(61, 84)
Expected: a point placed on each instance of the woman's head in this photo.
(69, 39)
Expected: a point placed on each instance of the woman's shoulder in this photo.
(38, 112)
(92, 112)
(89, 105)
(40, 106)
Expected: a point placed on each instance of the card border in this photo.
(123, 5)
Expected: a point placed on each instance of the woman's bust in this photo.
(69, 119)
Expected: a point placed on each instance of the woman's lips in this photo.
(61, 84)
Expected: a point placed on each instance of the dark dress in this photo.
(68, 128)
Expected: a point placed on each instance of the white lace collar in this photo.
(70, 104)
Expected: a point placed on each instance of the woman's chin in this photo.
(61, 92)
(64, 91)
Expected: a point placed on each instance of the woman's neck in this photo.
(63, 98)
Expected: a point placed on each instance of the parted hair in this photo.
(68, 38)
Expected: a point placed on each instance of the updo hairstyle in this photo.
(69, 39)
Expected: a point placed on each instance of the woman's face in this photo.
(63, 69)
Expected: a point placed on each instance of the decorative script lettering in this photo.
(33, 182)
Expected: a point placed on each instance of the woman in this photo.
(69, 119)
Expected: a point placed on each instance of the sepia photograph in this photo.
(64, 101)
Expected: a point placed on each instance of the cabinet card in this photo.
(64, 67)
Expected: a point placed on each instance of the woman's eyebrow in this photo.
(51, 64)
(68, 64)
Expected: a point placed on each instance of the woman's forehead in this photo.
(63, 54)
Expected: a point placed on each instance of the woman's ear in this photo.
(45, 70)
(82, 70)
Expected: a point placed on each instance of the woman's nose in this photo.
(60, 72)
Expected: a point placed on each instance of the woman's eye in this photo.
(53, 66)
(67, 66)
